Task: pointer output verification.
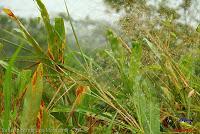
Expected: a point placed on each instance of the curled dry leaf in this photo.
(191, 93)
(80, 91)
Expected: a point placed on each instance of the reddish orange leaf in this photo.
(40, 117)
(37, 73)
(34, 78)
(79, 93)
(50, 54)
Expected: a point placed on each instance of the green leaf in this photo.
(198, 28)
(118, 52)
(115, 45)
(49, 28)
(29, 38)
(32, 99)
(1, 47)
(60, 40)
(22, 81)
(6, 66)
(7, 89)
(153, 48)
(135, 60)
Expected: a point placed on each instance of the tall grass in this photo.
(7, 91)
(121, 95)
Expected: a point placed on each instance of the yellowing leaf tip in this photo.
(9, 12)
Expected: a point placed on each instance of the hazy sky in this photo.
(79, 9)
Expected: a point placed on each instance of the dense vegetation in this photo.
(142, 78)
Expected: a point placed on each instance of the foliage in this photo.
(133, 85)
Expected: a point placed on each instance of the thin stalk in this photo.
(75, 35)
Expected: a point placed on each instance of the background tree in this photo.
(168, 22)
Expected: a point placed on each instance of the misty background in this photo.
(79, 9)
(92, 18)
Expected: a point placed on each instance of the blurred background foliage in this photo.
(168, 23)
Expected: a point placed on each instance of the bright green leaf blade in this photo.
(7, 90)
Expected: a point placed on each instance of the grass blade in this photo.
(7, 90)
(61, 40)
(32, 99)
(30, 39)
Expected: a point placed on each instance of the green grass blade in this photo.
(16, 36)
(1, 47)
(144, 96)
(23, 79)
(60, 40)
(46, 20)
(29, 38)
(7, 90)
(32, 99)
(153, 48)
(75, 35)
(6, 66)
(198, 28)
(15, 45)
(50, 30)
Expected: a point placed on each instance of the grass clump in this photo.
(115, 91)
